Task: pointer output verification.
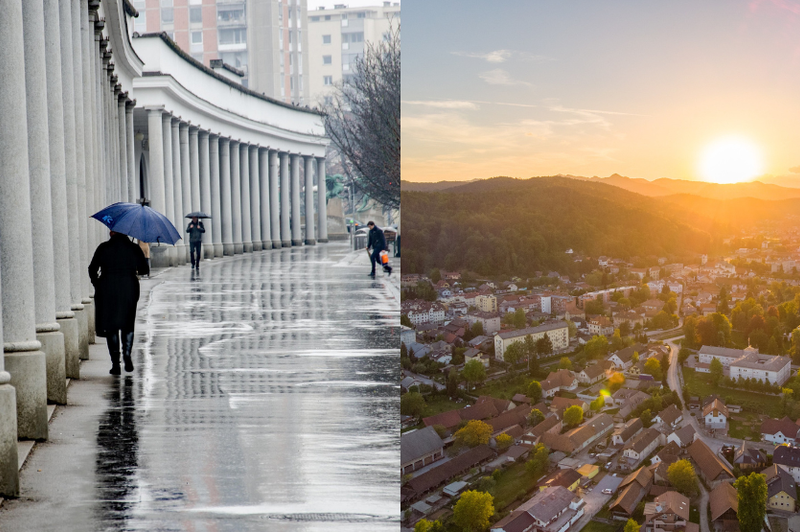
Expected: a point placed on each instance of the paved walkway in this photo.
(264, 398)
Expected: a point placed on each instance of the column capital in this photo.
(254, 147)
(224, 140)
(129, 105)
(320, 159)
(93, 5)
(193, 128)
(203, 132)
(123, 95)
(117, 88)
(99, 24)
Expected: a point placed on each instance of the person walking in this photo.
(195, 231)
(376, 241)
(113, 271)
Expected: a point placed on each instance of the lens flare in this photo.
(731, 160)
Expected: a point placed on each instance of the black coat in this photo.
(377, 240)
(113, 273)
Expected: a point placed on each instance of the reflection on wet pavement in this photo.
(264, 398)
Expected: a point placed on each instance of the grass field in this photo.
(747, 429)
(511, 483)
(700, 384)
(593, 526)
(505, 388)
(438, 404)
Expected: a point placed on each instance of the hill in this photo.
(505, 225)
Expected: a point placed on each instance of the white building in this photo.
(407, 335)
(558, 333)
(749, 363)
(716, 415)
(486, 303)
(425, 313)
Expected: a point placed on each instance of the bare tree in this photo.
(363, 120)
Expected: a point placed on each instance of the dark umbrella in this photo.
(197, 214)
(138, 221)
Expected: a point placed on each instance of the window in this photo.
(196, 14)
(166, 3)
(198, 57)
(327, 80)
(314, 19)
(361, 14)
(233, 36)
(167, 15)
(327, 17)
(326, 60)
(197, 37)
(326, 39)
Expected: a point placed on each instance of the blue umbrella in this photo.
(138, 221)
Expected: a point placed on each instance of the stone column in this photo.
(322, 212)
(263, 184)
(255, 199)
(13, 143)
(309, 196)
(133, 190)
(23, 359)
(286, 237)
(244, 169)
(186, 181)
(236, 199)
(216, 207)
(169, 185)
(297, 235)
(86, 39)
(205, 194)
(123, 146)
(47, 328)
(181, 249)
(194, 169)
(274, 210)
(226, 211)
(58, 192)
(155, 143)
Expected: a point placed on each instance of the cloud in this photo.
(501, 56)
(795, 170)
(498, 76)
(444, 104)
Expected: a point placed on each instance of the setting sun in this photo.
(731, 160)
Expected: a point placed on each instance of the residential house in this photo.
(507, 420)
(550, 425)
(715, 415)
(653, 305)
(558, 332)
(669, 512)
(669, 418)
(562, 379)
(779, 431)
(748, 457)
(629, 401)
(473, 354)
(435, 477)
(481, 342)
(591, 374)
(559, 404)
(485, 408)
(419, 311)
(623, 359)
(487, 303)
(711, 467)
(788, 458)
(577, 439)
(420, 448)
(668, 455)
(683, 437)
(567, 478)
(629, 316)
(550, 510)
(781, 489)
(417, 350)
(407, 335)
(601, 326)
(624, 433)
(632, 490)
(489, 320)
(641, 445)
(724, 502)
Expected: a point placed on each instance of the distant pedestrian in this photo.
(195, 231)
(146, 250)
(113, 272)
(376, 241)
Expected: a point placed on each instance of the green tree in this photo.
(653, 367)
(752, 494)
(423, 525)
(452, 384)
(616, 381)
(690, 332)
(596, 348)
(635, 357)
(503, 441)
(716, 370)
(473, 511)
(473, 372)
(598, 404)
(682, 477)
(534, 392)
(404, 320)
(412, 404)
(514, 354)
(724, 300)
(573, 329)
(474, 433)
(646, 417)
(565, 363)
(540, 458)
(573, 416)
(532, 353)
(435, 275)
(795, 349)
(630, 526)
(544, 346)
(519, 318)
(535, 417)
(594, 307)
(477, 329)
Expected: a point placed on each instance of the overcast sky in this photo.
(529, 87)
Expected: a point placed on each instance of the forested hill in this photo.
(514, 226)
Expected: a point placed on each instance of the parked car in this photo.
(607, 491)
(608, 465)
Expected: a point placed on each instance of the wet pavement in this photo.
(264, 397)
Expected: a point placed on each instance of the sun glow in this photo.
(731, 160)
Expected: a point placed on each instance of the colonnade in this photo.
(254, 202)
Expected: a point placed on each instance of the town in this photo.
(643, 395)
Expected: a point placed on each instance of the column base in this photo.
(88, 304)
(171, 255)
(208, 251)
(227, 249)
(247, 246)
(83, 333)
(297, 242)
(277, 244)
(311, 242)
(238, 248)
(9, 460)
(181, 254)
(286, 243)
(266, 244)
(55, 362)
(323, 240)
(218, 250)
(29, 379)
(256, 245)
(160, 256)
(72, 365)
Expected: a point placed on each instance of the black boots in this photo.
(113, 350)
(127, 347)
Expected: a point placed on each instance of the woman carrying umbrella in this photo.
(195, 230)
(113, 272)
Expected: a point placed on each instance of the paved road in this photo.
(595, 499)
(264, 398)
